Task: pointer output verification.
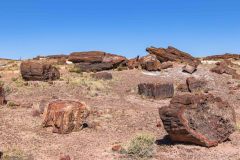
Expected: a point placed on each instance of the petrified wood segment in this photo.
(156, 90)
(2, 95)
(65, 116)
(199, 119)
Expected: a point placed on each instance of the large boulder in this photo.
(38, 71)
(95, 67)
(65, 116)
(150, 63)
(189, 68)
(133, 63)
(199, 119)
(156, 90)
(173, 54)
(196, 85)
(166, 65)
(87, 57)
(2, 95)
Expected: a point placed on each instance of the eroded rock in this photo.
(200, 119)
(65, 116)
(189, 69)
(150, 63)
(38, 71)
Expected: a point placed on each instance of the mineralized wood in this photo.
(199, 119)
(150, 63)
(2, 95)
(65, 116)
(156, 90)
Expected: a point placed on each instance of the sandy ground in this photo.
(120, 114)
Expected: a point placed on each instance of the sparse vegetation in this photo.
(141, 146)
(15, 154)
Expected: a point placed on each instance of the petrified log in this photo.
(156, 90)
(2, 96)
(224, 56)
(189, 69)
(65, 116)
(173, 54)
(38, 71)
(195, 85)
(222, 67)
(166, 65)
(199, 119)
(87, 57)
(95, 67)
(150, 63)
(133, 63)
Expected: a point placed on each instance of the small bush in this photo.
(238, 126)
(141, 146)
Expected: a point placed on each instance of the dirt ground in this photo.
(120, 114)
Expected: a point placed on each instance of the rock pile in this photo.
(38, 71)
(199, 119)
(150, 63)
(94, 61)
(65, 116)
(156, 90)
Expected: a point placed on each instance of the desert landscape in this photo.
(167, 105)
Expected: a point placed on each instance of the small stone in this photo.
(117, 148)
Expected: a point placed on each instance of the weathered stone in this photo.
(199, 119)
(166, 65)
(38, 71)
(133, 63)
(102, 75)
(87, 57)
(65, 116)
(222, 67)
(183, 87)
(189, 69)
(196, 85)
(173, 54)
(224, 56)
(2, 96)
(95, 67)
(150, 63)
(156, 90)
(113, 59)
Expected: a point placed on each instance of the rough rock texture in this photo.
(195, 85)
(2, 96)
(102, 75)
(224, 56)
(133, 63)
(156, 90)
(95, 67)
(198, 119)
(166, 65)
(150, 63)
(182, 87)
(223, 67)
(173, 54)
(38, 71)
(189, 69)
(65, 116)
(96, 60)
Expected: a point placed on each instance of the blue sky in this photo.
(42, 27)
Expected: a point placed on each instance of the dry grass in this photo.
(15, 154)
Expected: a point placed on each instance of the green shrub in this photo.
(141, 146)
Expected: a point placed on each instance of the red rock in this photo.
(133, 63)
(224, 56)
(38, 71)
(64, 157)
(117, 148)
(195, 85)
(150, 63)
(222, 67)
(173, 54)
(115, 60)
(189, 69)
(87, 57)
(156, 90)
(65, 116)
(166, 65)
(199, 119)
(95, 67)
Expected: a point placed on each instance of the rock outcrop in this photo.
(65, 116)
(150, 63)
(173, 54)
(38, 71)
(224, 56)
(199, 119)
(156, 90)
(166, 65)
(133, 63)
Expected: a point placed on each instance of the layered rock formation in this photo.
(199, 119)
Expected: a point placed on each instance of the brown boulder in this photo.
(166, 65)
(189, 69)
(223, 67)
(150, 63)
(195, 85)
(38, 71)
(87, 57)
(133, 63)
(199, 119)
(65, 116)
(102, 75)
(173, 54)
(2, 96)
(183, 87)
(113, 59)
(156, 90)
(95, 67)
